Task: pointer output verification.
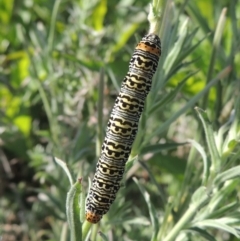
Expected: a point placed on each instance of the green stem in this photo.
(181, 224)
(52, 25)
(189, 214)
(154, 16)
(94, 232)
(73, 210)
(64, 232)
(47, 107)
(85, 229)
(100, 114)
(216, 42)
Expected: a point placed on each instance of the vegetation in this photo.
(61, 67)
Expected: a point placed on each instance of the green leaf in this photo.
(6, 8)
(215, 157)
(199, 195)
(173, 165)
(172, 56)
(216, 47)
(82, 205)
(73, 211)
(190, 49)
(218, 200)
(222, 224)
(89, 64)
(203, 233)
(98, 15)
(143, 221)
(153, 180)
(23, 122)
(199, 199)
(228, 175)
(160, 147)
(189, 104)
(151, 209)
(103, 236)
(204, 157)
(193, 9)
(129, 29)
(227, 208)
(170, 96)
(130, 162)
(64, 166)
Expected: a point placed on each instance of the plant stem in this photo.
(154, 16)
(85, 229)
(185, 220)
(100, 114)
(52, 25)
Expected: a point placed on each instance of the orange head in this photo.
(93, 217)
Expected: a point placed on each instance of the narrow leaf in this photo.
(73, 210)
(227, 175)
(160, 147)
(203, 233)
(103, 236)
(82, 206)
(172, 56)
(215, 157)
(199, 195)
(189, 104)
(204, 157)
(218, 224)
(152, 211)
(64, 166)
(171, 95)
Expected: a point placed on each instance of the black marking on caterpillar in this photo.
(122, 127)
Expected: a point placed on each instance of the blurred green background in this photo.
(61, 67)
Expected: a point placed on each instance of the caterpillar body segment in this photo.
(122, 127)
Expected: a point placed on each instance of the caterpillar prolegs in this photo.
(122, 127)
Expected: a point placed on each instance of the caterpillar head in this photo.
(152, 38)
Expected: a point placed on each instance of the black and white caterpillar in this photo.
(122, 127)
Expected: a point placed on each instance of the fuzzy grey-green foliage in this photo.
(52, 57)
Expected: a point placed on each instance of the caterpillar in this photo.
(122, 127)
